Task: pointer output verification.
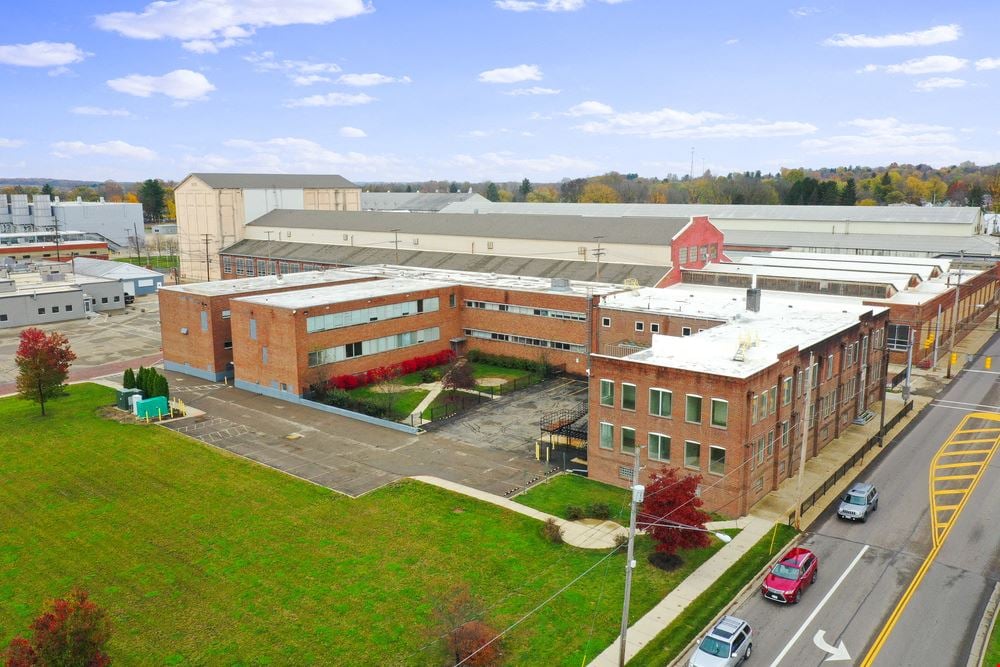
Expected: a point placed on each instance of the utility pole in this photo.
(954, 313)
(135, 235)
(638, 492)
(805, 441)
(55, 221)
(691, 173)
(268, 234)
(208, 258)
(597, 255)
(909, 366)
(395, 233)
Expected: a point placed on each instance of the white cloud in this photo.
(181, 84)
(511, 74)
(731, 42)
(352, 132)
(936, 35)
(65, 149)
(590, 108)
(100, 111)
(802, 12)
(373, 79)
(294, 154)
(988, 63)
(938, 82)
(331, 100)
(889, 139)
(507, 166)
(41, 54)
(10, 143)
(299, 72)
(925, 65)
(673, 124)
(309, 79)
(205, 26)
(534, 90)
(547, 5)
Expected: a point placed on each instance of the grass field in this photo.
(403, 402)
(201, 557)
(155, 261)
(993, 649)
(555, 495)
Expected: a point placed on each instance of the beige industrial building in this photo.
(213, 209)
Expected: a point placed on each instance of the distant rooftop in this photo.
(331, 294)
(898, 281)
(259, 283)
(110, 269)
(259, 181)
(917, 245)
(415, 201)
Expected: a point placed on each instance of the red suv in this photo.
(795, 572)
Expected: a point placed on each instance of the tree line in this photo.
(156, 195)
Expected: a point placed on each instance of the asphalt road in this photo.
(865, 568)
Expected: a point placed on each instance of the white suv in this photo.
(729, 643)
(860, 501)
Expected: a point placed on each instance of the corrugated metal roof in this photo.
(819, 262)
(415, 201)
(875, 244)
(106, 269)
(519, 266)
(958, 215)
(216, 180)
(900, 282)
(640, 231)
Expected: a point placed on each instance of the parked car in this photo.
(860, 501)
(129, 299)
(729, 643)
(791, 576)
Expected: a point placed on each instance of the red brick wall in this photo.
(701, 232)
(622, 327)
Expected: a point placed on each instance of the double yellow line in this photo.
(941, 529)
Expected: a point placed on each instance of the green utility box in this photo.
(153, 408)
(124, 395)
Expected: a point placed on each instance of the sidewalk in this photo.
(585, 534)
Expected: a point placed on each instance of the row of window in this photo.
(64, 254)
(661, 403)
(693, 253)
(658, 448)
(373, 346)
(524, 340)
(526, 310)
(389, 311)
(245, 266)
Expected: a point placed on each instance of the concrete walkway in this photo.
(433, 388)
(585, 534)
(659, 617)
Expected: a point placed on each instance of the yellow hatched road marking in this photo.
(940, 530)
(979, 430)
(942, 466)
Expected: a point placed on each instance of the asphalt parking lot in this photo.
(343, 454)
(105, 338)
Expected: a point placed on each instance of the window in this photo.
(773, 399)
(117, 299)
(639, 326)
(3, 317)
(41, 311)
(625, 472)
(104, 299)
(692, 409)
(815, 374)
(227, 264)
(786, 391)
(352, 350)
(253, 329)
(608, 393)
(660, 402)
(760, 449)
(204, 320)
(55, 309)
(829, 366)
(770, 443)
(720, 413)
(683, 255)
(226, 314)
(69, 308)
(628, 396)
(654, 327)
(692, 454)
(717, 460)
(607, 436)
(685, 331)
(452, 300)
(228, 345)
(263, 354)
(659, 447)
(605, 322)
(628, 440)
(785, 435)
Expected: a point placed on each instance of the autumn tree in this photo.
(470, 640)
(459, 376)
(71, 631)
(599, 193)
(42, 362)
(543, 194)
(672, 501)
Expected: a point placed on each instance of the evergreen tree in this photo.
(140, 380)
(128, 381)
(153, 198)
(525, 188)
(492, 191)
(849, 195)
(47, 189)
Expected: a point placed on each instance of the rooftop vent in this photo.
(560, 285)
(753, 300)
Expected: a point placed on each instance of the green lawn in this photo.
(555, 495)
(667, 645)
(201, 557)
(155, 261)
(481, 370)
(993, 650)
(403, 402)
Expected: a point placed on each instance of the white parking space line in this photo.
(975, 405)
(820, 606)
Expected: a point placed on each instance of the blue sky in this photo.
(480, 89)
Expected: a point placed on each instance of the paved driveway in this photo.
(340, 453)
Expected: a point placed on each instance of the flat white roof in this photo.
(786, 320)
(331, 294)
(832, 275)
(939, 262)
(818, 262)
(260, 283)
(526, 283)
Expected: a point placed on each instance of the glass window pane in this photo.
(659, 447)
(607, 392)
(692, 454)
(628, 440)
(628, 396)
(717, 460)
(693, 409)
(607, 436)
(720, 413)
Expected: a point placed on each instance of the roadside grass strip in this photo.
(948, 493)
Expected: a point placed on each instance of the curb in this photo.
(738, 599)
(982, 641)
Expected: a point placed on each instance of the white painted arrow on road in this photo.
(838, 653)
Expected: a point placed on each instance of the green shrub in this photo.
(599, 511)
(574, 512)
(506, 362)
(430, 375)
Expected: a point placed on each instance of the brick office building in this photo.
(195, 326)
(728, 402)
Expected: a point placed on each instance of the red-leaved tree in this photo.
(469, 639)
(71, 631)
(671, 501)
(459, 376)
(43, 365)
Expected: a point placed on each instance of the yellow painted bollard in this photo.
(538, 456)
(954, 357)
(989, 362)
(159, 414)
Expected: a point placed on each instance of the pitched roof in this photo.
(107, 269)
(577, 228)
(216, 180)
(521, 266)
(415, 201)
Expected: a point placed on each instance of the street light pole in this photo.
(395, 233)
(638, 492)
(954, 314)
(805, 442)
